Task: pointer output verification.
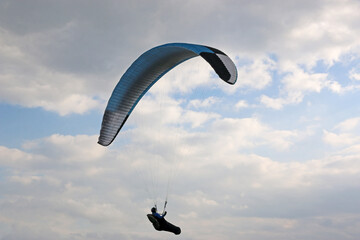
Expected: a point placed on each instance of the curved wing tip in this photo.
(103, 144)
(229, 81)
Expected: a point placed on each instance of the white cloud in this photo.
(301, 81)
(256, 75)
(344, 134)
(208, 102)
(197, 119)
(67, 147)
(242, 104)
(250, 132)
(312, 38)
(344, 139)
(348, 125)
(355, 74)
(215, 186)
(297, 83)
(275, 103)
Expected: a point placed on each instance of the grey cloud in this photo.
(90, 36)
(90, 44)
(260, 196)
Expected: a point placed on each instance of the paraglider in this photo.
(146, 71)
(140, 77)
(160, 224)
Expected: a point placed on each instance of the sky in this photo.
(274, 157)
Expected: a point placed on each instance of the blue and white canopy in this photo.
(146, 71)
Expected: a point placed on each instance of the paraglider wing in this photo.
(146, 71)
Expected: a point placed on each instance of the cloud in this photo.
(242, 104)
(25, 82)
(354, 74)
(54, 182)
(344, 134)
(256, 75)
(250, 132)
(86, 189)
(197, 103)
(208, 128)
(348, 125)
(274, 103)
(339, 139)
(309, 37)
(82, 55)
(297, 83)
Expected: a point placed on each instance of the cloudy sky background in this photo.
(276, 156)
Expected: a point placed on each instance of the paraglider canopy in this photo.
(146, 71)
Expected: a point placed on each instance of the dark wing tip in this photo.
(217, 65)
